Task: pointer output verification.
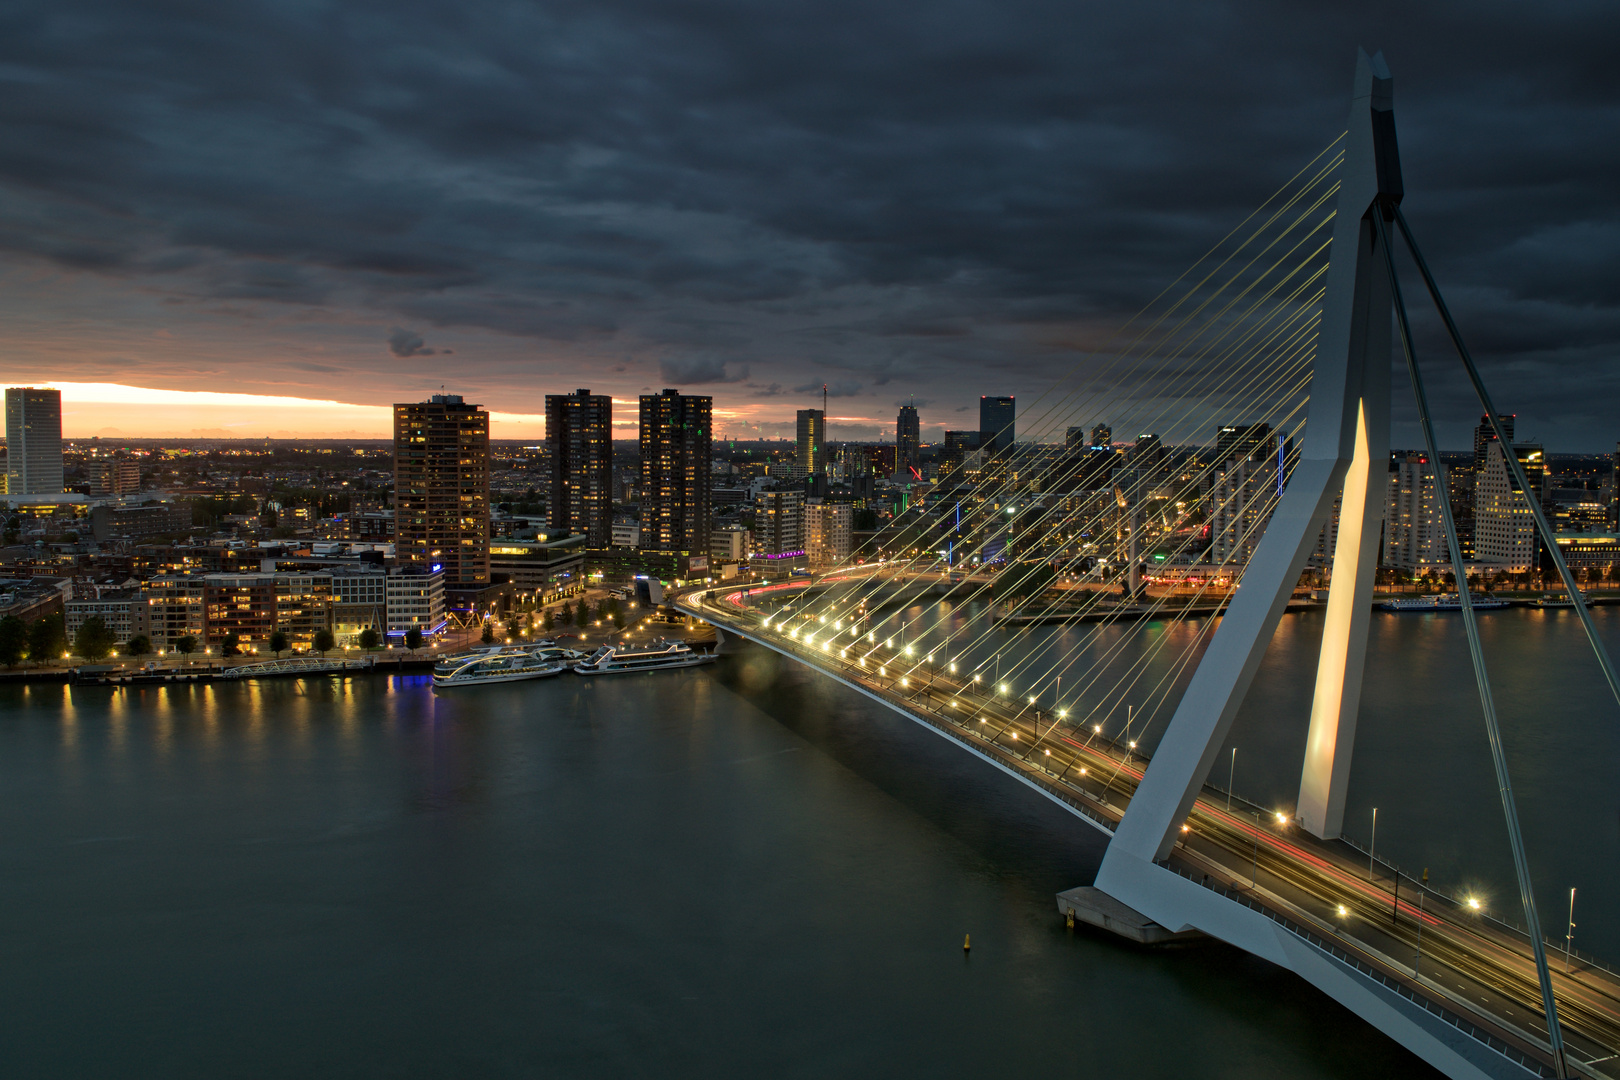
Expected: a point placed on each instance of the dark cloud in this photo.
(699, 370)
(403, 343)
(958, 197)
(839, 389)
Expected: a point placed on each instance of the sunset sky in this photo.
(359, 204)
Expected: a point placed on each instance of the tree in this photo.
(583, 615)
(232, 645)
(565, 613)
(324, 641)
(413, 638)
(279, 642)
(13, 640)
(369, 638)
(488, 636)
(186, 645)
(547, 623)
(618, 620)
(95, 639)
(139, 645)
(47, 639)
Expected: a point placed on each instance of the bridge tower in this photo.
(1345, 449)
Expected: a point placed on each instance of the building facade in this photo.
(1241, 501)
(1414, 526)
(579, 440)
(414, 597)
(827, 530)
(113, 476)
(779, 525)
(33, 441)
(997, 416)
(1504, 528)
(812, 436)
(907, 442)
(441, 489)
(676, 472)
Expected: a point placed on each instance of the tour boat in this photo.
(1559, 601)
(617, 659)
(1443, 602)
(504, 663)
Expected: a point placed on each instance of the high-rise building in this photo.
(1102, 437)
(113, 476)
(779, 525)
(1484, 435)
(812, 460)
(33, 441)
(958, 445)
(1241, 501)
(1241, 440)
(579, 440)
(1075, 438)
(996, 423)
(441, 489)
(676, 472)
(1414, 528)
(1504, 529)
(827, 531)
(907, 442)
(1147, 453)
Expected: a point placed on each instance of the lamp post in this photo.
(1230, 774)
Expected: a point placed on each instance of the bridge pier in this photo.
(1090, 905)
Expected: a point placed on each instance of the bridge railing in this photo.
(1372, 971)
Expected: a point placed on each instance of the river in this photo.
(740, 870)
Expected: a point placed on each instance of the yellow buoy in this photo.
(1069, 918)
(967, 942)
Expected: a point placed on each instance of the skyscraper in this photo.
(33, 441)
(812, 459)
(579, 438)
(995, 423)
(441, 489)
(1241, 440)
(958, 445)
(676, 471)
(907, 441)
(1504, 530)
(1414, 529)
(1102, 437)
(1484, 435)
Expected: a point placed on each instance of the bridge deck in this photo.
(1474, 974)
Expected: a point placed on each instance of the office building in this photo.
(779, 525)
(579, 441)
(676, 472)
(959, 445)
(812, 434)
(996, 424)
(827, 531)
(1241, 440)
(1075, 438)
(907, 443)
(1241, 501)
(1504, 529)
(1414, 528)
(1102, 437)
(33, 441)
(441, 489)
(1485, 435)
(113, 476)
(729, 545)
(359, 602)
(414, 599)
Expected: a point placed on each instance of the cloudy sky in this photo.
(359, 203)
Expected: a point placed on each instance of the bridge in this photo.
(1265, 326)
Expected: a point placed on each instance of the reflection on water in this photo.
(744, 869)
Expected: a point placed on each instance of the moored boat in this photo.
(503, 663)
(657, 656)
(1443, 602)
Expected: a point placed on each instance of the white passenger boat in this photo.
(1443, 602)
(618, 659)
(504, 663)
(1559, 601)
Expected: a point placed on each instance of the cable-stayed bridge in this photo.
(1293, 347)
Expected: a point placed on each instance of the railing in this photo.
(1312, 938)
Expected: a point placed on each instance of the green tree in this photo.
(369, 638)
(232, 645)
(547, 623)
(583, 614)
(13, 640)
(47, 639)
(186, 645)
(139, 645)
(413, 638)
(565, 613)
(324, 641)
(95, 639)
(488, 636)
(618, 619)
(278, 642)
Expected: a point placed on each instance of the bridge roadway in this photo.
(1475, 973)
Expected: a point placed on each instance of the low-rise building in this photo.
(122, 610)
(827, 530)
(359, 602)
(174, 609)
(140, 521)
(414, 599)
(550, 566)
